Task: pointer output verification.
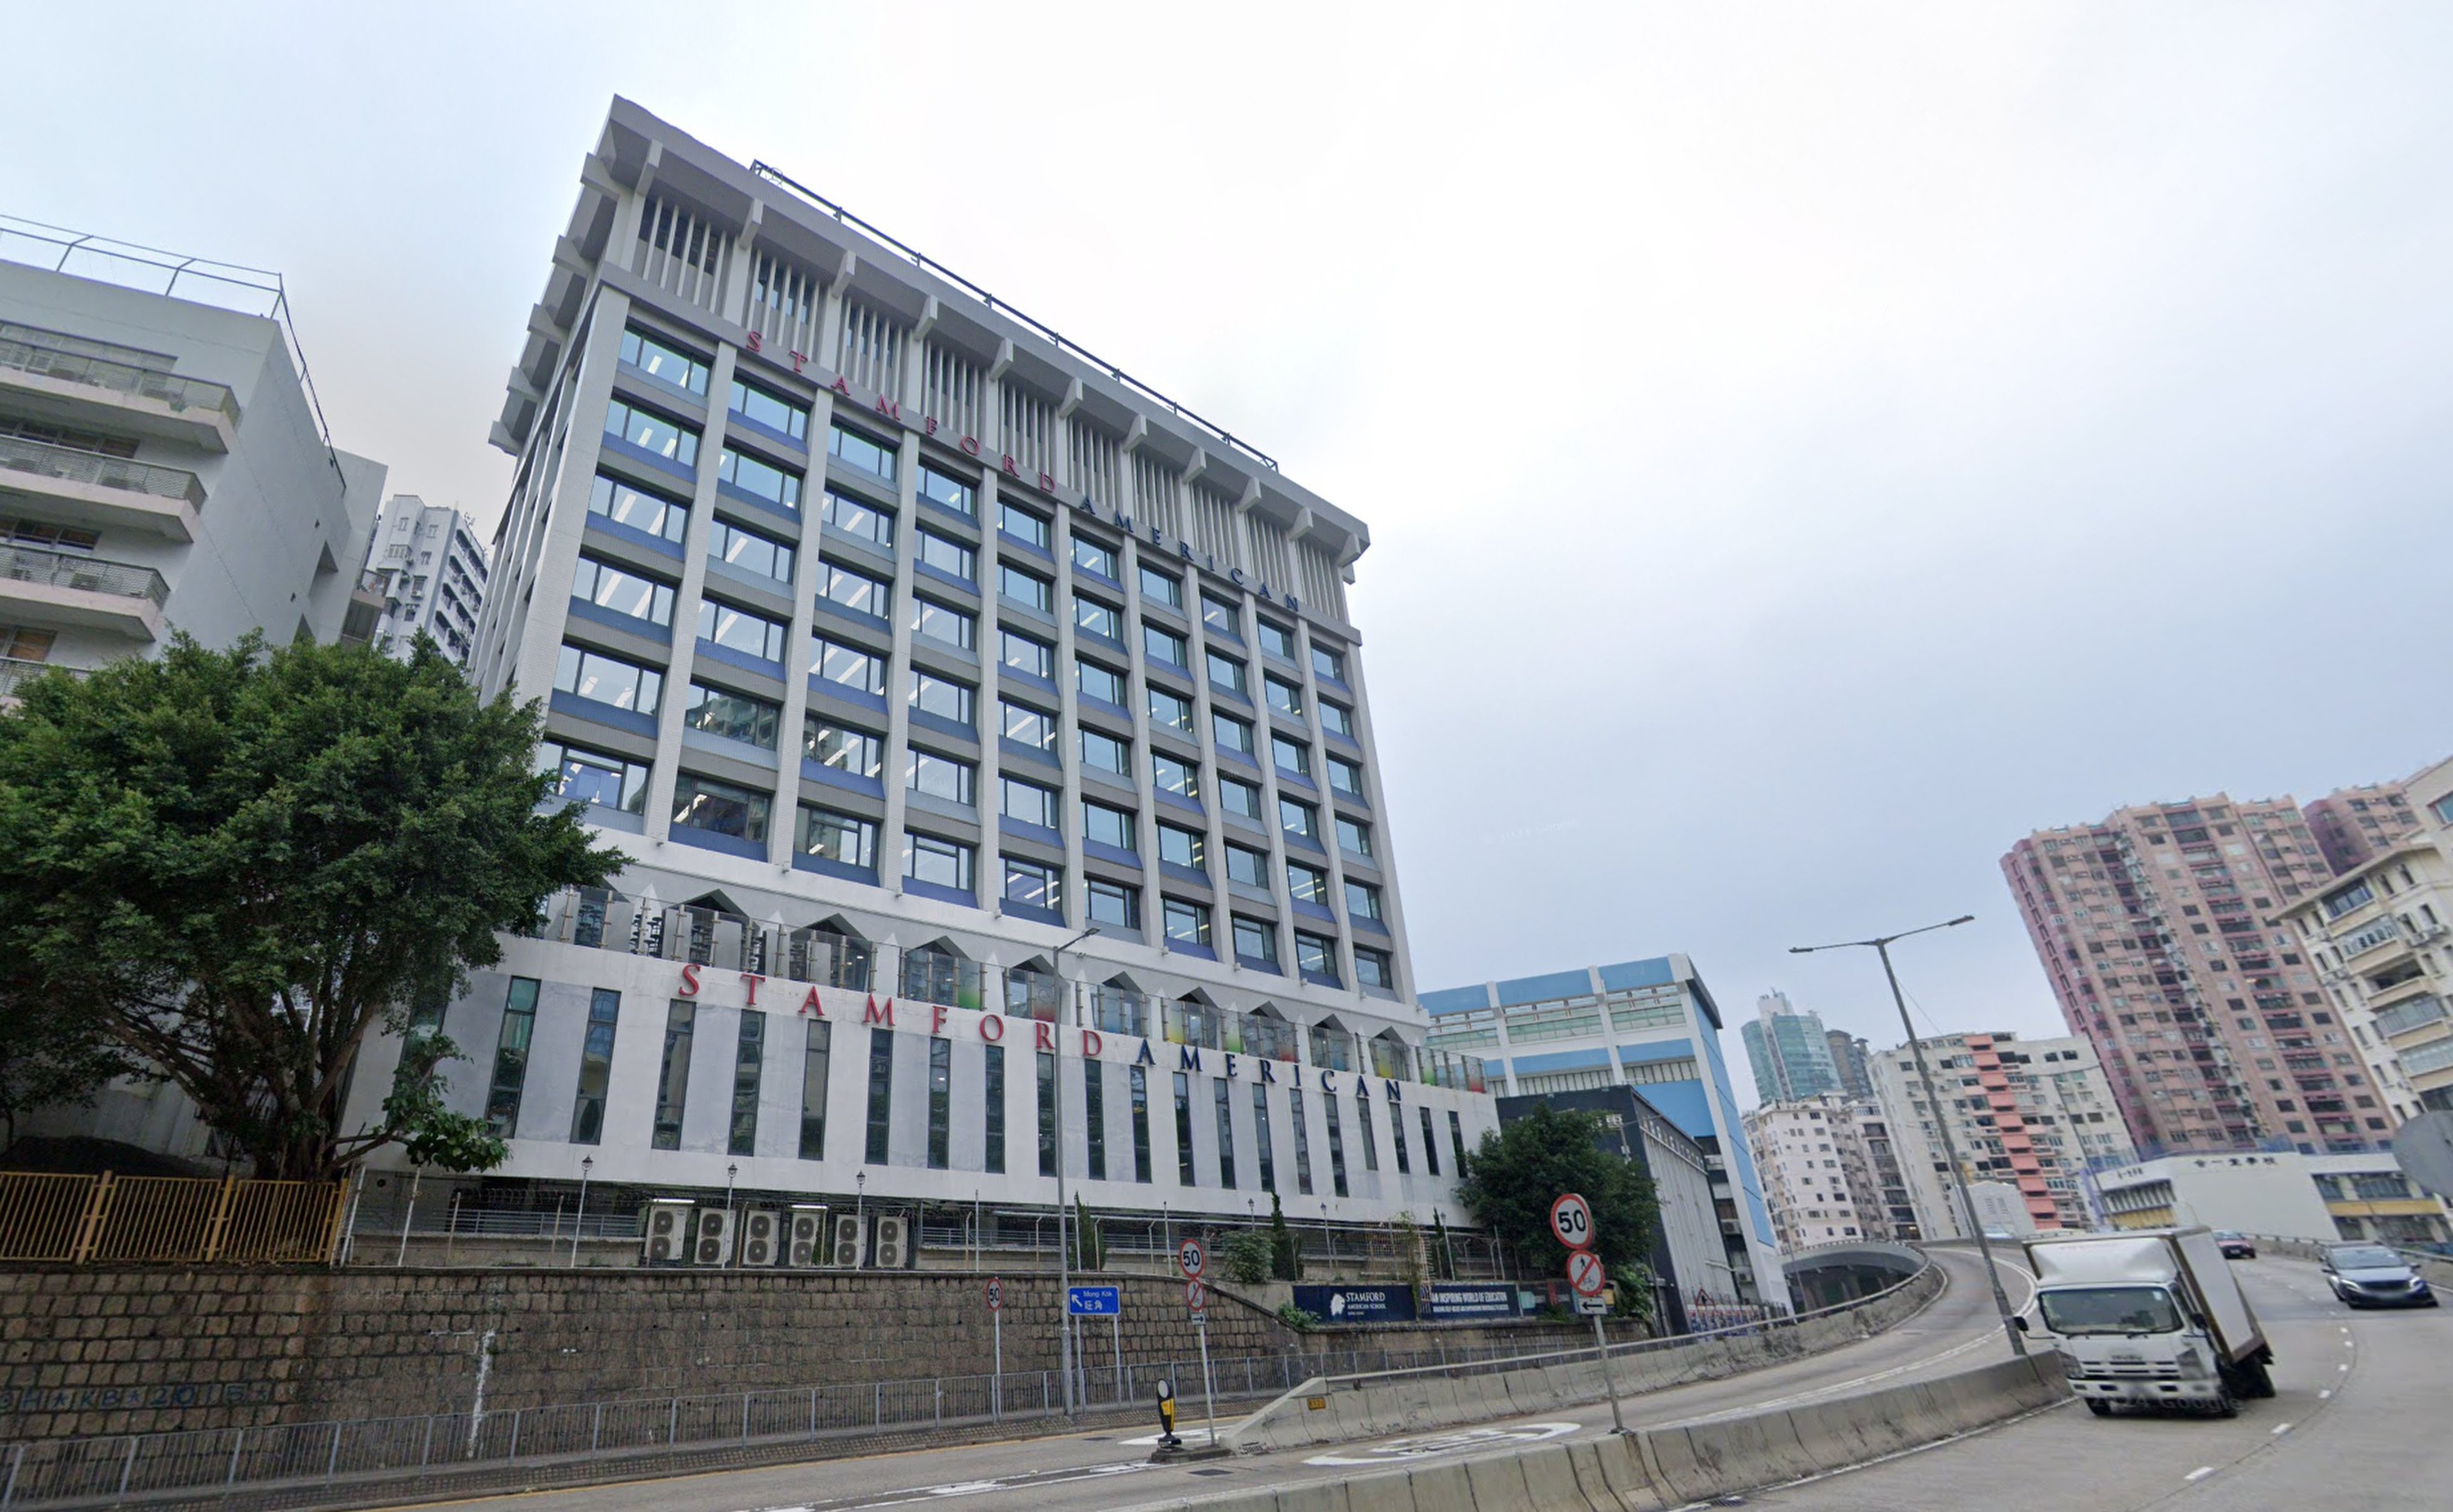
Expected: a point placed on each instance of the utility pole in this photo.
(1064, 1260)
(1882, 946)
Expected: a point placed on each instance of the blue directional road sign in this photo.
(1094, 1301)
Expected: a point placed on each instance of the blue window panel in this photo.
(630, 452)
(1657, 1050)
(648, 629)
(1543, 988)
(916, 889)
(1656, 973)
(757, 501)
(603, 713)
(832, 611)
(1305, 905)
(631, 534)
(836, 777)
(1030, 679)
(1227, 753)
(803, 860)
(1455, 1000)
(1295, 842)
(1024, 829)
(1032, 910)
(1287, 779)
(1187, 805)
(859, 697)
(736, 420)
(1256, 963)
(1015, 749)
(711, 651)
(1093, 638)
(1006, 542)
(1103, 851)
(1370, 925)
(1196, 951)
(1563, 1061)
(709, 840)
(1684, 1105)
(1100, 705)
(1186, 873)
(941, 575)
(1323, 979)
(923, 720)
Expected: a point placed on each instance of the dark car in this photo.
(2373, 1276)
(2235, 1246)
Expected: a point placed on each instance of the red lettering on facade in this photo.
(992, 1028)
(839, 385)
(889, 408)
(1010, 467)
(751, 980)
(1047, 483)
(929, 423)
(1046, 1033)
(936, 1018)
(970, 446)
(798, 358)
(870, 1014)
(1091, 1044)
(689, 978)
(811, 1004)
(756, 343)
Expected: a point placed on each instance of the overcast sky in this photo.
(1807, 447)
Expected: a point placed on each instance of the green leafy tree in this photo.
(1509, 1182)
(1286, 1260)
(1245, 1256)
(1089, 1245)
(242, 862)
(52, 1050)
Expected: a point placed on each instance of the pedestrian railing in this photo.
(79, 1220)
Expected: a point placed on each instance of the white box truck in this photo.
(2152, 1317)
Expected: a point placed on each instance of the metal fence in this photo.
(83, 1219)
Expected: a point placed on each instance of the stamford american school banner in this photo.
(1443, 1300)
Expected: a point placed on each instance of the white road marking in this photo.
(956, 1488)
(1396, 1450)
(2322, 1394)
(2283, 1427)
(2200, 1473)
(2343, 1367)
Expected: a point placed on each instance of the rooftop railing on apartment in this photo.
(46, 360)
(71, 466)
(64, 569)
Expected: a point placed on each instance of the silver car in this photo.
(2373, 1276)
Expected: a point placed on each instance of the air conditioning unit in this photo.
(713, 1236)
(845, 1253)
(807, 1240)
(893, 1242)
(762, 1229)
(666, 1227)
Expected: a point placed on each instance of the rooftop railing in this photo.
(180, 395)
(71, 466)
(85, 573)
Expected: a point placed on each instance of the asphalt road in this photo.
(1100, 1472)
(2359, 1423)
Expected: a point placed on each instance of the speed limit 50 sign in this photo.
(1571, 1219)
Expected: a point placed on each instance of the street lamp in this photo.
(860, 1208)
(1882, 946)
(587, 1163)
(1064, 1261)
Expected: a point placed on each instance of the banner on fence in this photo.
(1357, 1304)
(1449, 1299)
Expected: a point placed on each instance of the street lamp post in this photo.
(1882, 946)
(587, 1163)
(1064, 1261)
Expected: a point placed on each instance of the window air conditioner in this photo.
(666, 1228)
(893, 1242)
(760, 1230)
(715, 1237)
(809, 1238)
(849, 1231)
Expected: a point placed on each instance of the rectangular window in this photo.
(1184, 1174)
(1047, 1114)
(857, 517)
(940, 1102)
(1171, 710)
(1108, 827)
(854, 450)
(814, 1059)
(1025, 589)
(1283, 696)
(626, 504)
(881, 1094)
(854, 591)
(1256, 941)
(760, 479)
(1308, 884)
(847, 839)
(1363, 900)
(1114, 902)
(1227, 673)
(1219, 615)
(1176, 776)
(1106, 753)
(1345, 776)
(936, 861)
(1363, 1130)
(1165, 648)
(1139, 1082)
(743, 631)
(1097, 618)
(583, 776)
(1328, 664)
(1316, 958)
(673, 1079)
(1188, 923)
(1303, 1141)
(995, 1158)
(1397, 1139)
(1098, 682)
(734, 716)
(1165, 589)
(511, 1058)
(663, 362)
(941, 697)
(608, 680)
(1023, 526)
(1299, 818)
(749, 551)
(947, 491)
(1336, 1145)
(939, 776)
(702, 803)
(948, 556)
(595, 1068)
(1430, 1143)
(1278, 641)
(1246, 865)
(749, 1061)
(1094, 1116)
(1374, 968)
(1456, 1140)
(1239, 798)
(1232, 733)
(1034, 883)
(853, 667)
(1225, 1102)
(652, 432)
(1291, 755)
(844, 747)
(1352, 837)
(1337, 718)
(774, 411)
(609, 587)
(1023, 654)
(1028, 802)
(1092, 557)
(1261, 1141)
(945, 623)
(1184, 847)
(1027, 726)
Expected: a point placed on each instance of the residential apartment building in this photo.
(427, 563)
(1849, 1054)
(2324, 1198)
(2030, 1114)
(2379, 938)
(1650, 1024)
(2354, 825)
(986, 735)
(2154, 928)
(1818, 1174)
(1788, 1051)
(160, 468)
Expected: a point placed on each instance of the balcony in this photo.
(84, 487)
(14, 674)
(51, 588)
(46, 375)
